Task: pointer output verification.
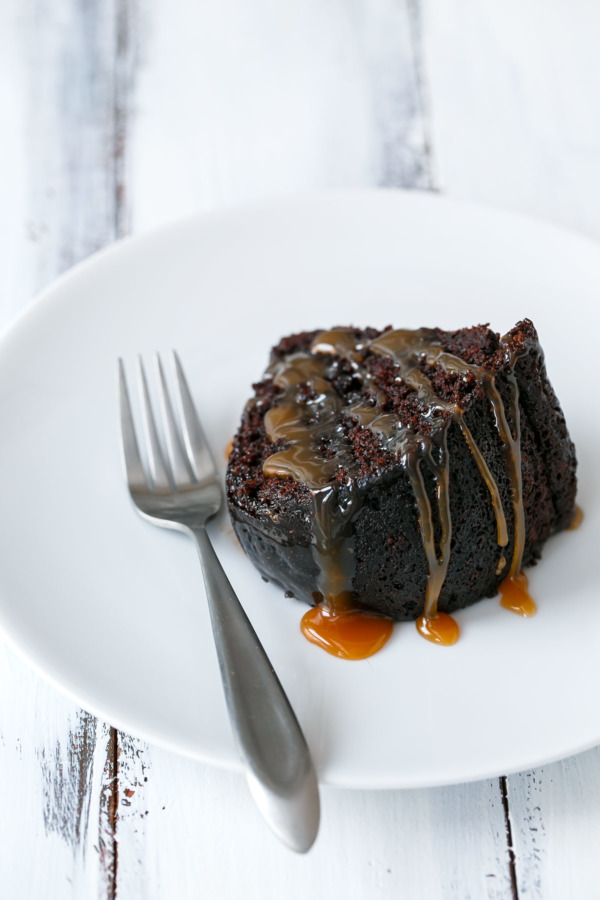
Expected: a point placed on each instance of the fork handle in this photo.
(279, 768)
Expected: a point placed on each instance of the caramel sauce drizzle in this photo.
(490, 484)
(288, 421)
(512, 452)
(332, 543)
(308, 415)
(515, 595)
(437, 564)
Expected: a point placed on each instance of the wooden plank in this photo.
(190, 826)
(63, 77)
(515, 102)
(241, 104)
(55, 838)
(244, 102)
(555, 825)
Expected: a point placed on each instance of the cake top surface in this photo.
(348, 403)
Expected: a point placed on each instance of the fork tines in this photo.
(184, 458)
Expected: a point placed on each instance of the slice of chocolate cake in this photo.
(409, 473)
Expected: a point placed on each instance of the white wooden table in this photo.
(118, 115)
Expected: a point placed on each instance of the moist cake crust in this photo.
(371, 488)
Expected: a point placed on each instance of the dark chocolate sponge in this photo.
(274, 517)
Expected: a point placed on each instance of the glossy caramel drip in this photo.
(439, 629)
(412, 449)
(334, 547)
(515, 595)
(302, 420)
(349, 634)
(405, 348)
(339, 342)
(289, 421)
(436, 564)
(397, 344)
(308, 419)
(576, 520)
(512, 453)
(491, 485)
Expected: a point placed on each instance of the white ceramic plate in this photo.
(111, 609)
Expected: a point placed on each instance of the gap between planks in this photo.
(512, 865)
(124, 79)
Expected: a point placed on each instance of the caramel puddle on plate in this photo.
(348, 634)
(515, 591)
(439, 629)
(576, 520)
(515, 596)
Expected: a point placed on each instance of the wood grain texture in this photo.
(192, 831)
(55, 838)
(556, 823)
(64, 74)
(239, 101)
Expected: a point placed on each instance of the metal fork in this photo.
(181, 490)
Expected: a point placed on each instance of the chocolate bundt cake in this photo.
(408, 473)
